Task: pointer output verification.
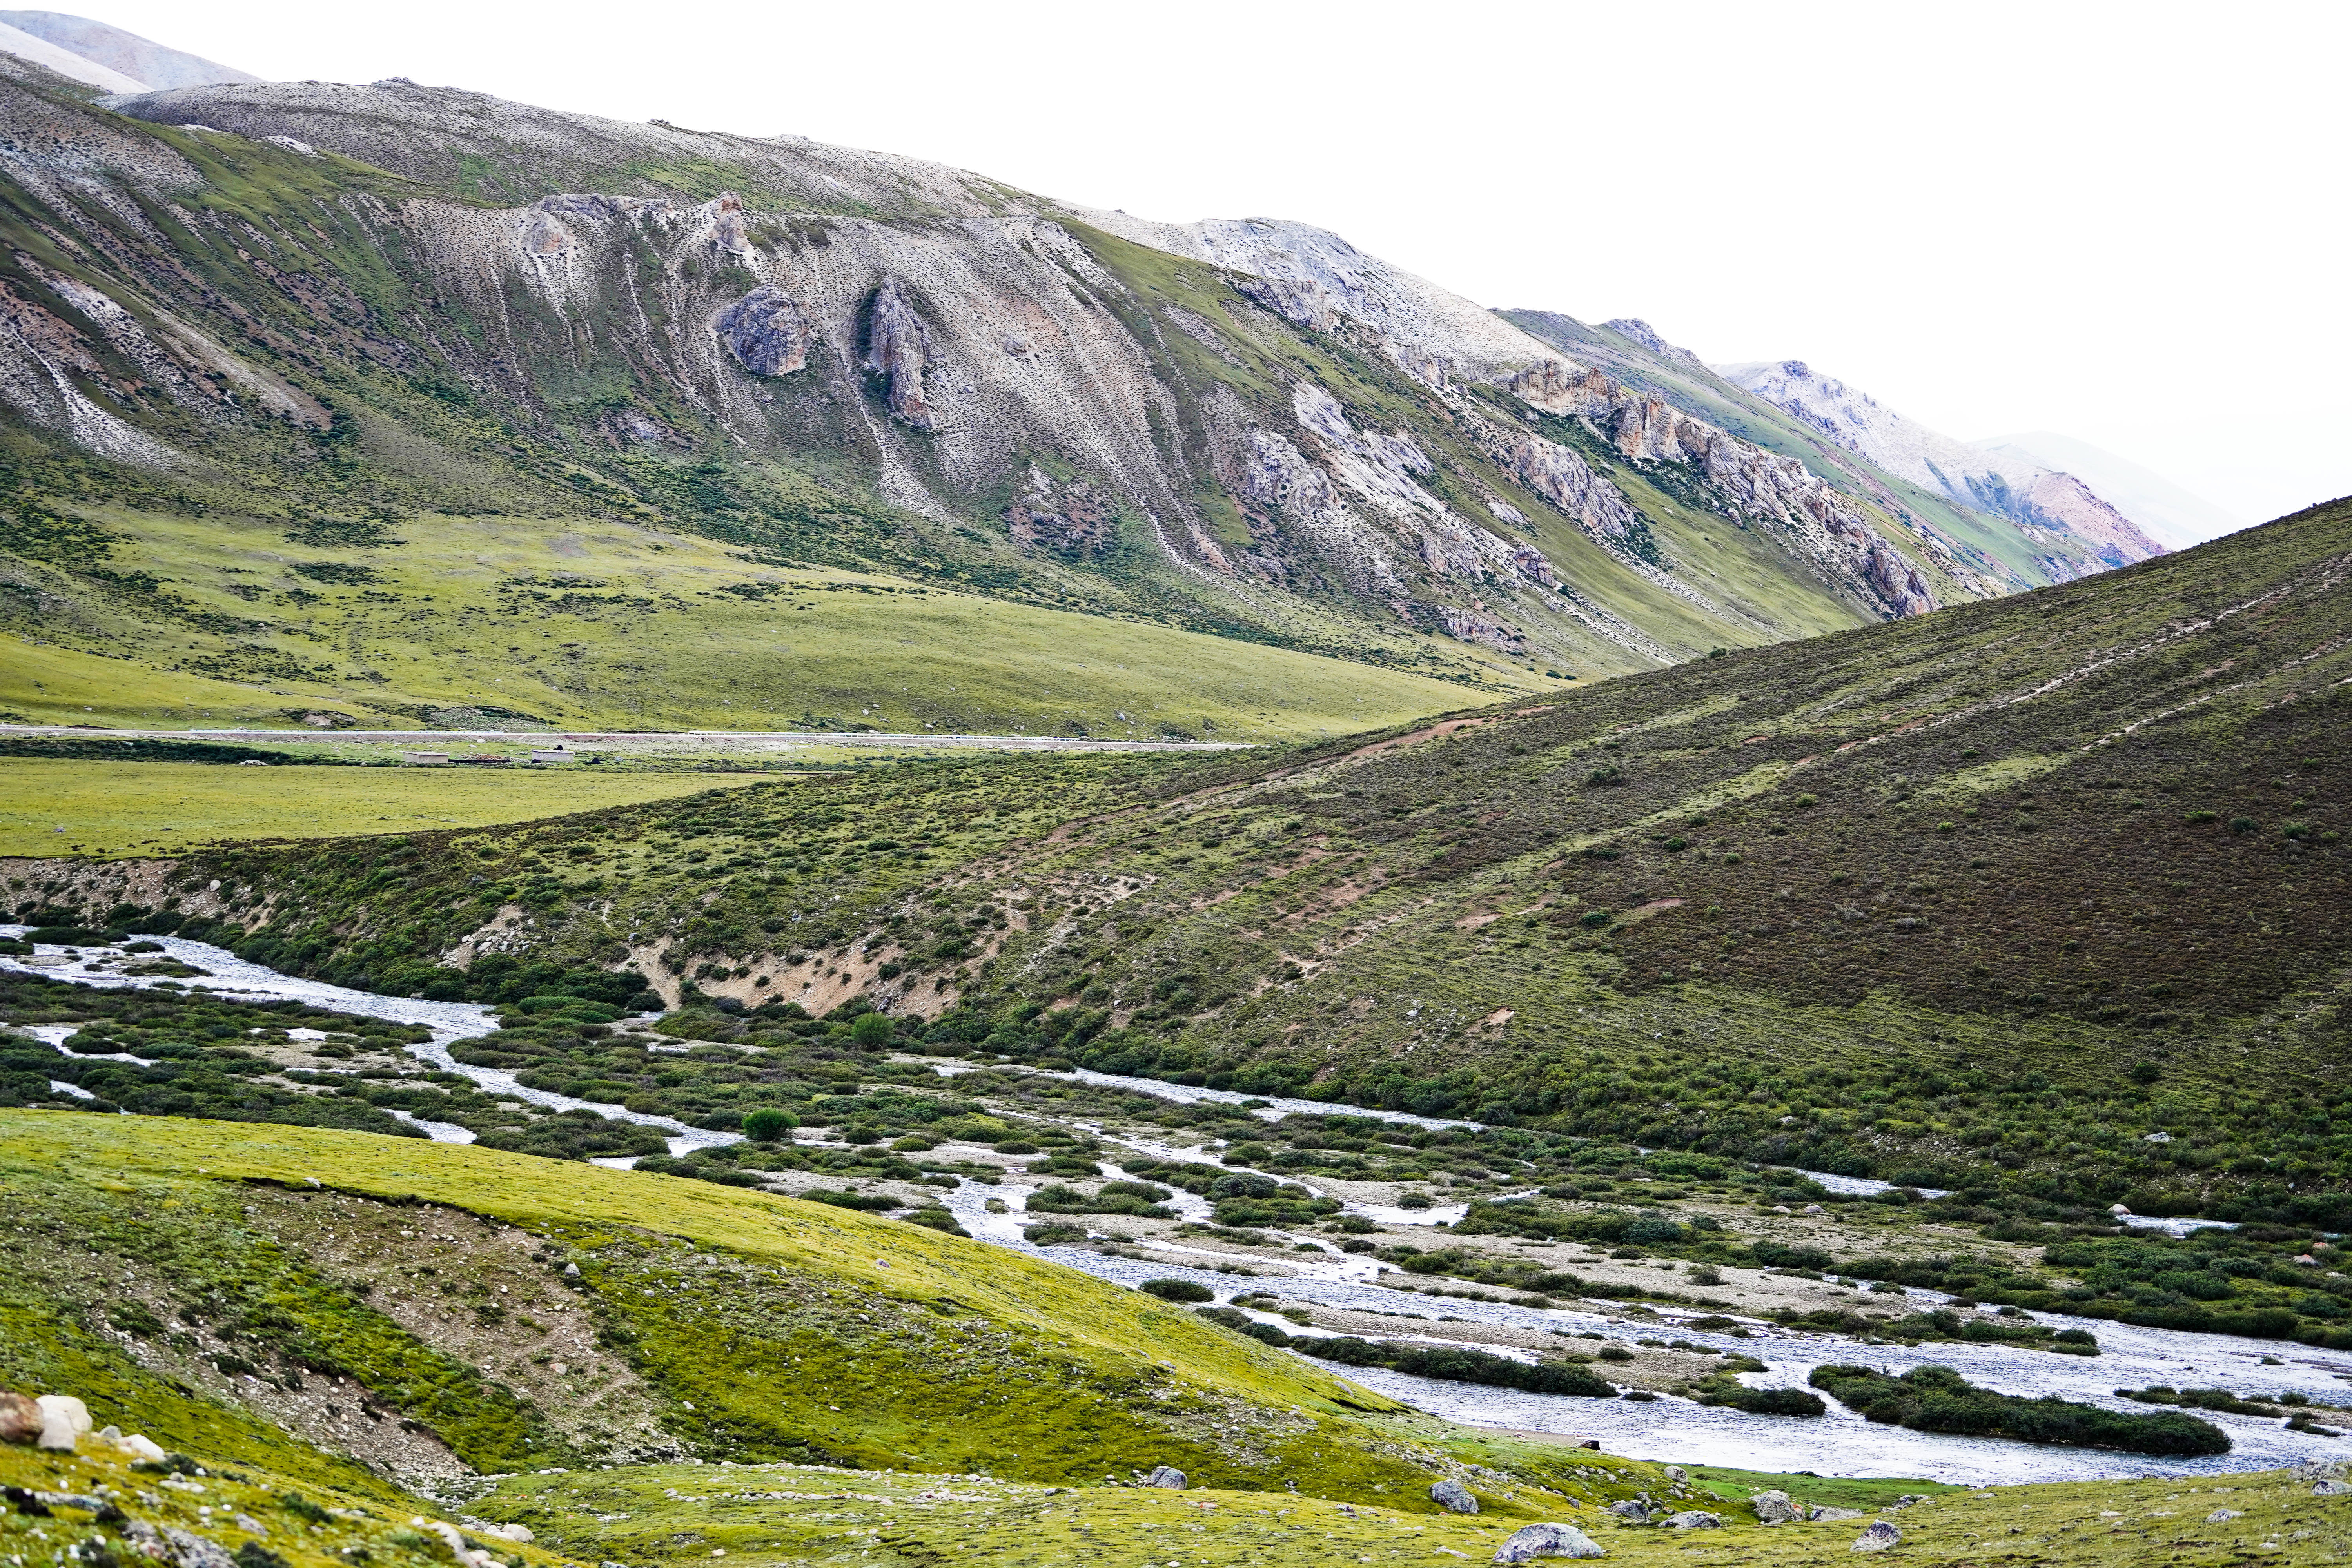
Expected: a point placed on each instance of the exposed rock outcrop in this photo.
(898, 349)
(1566, 480)
(1073, 516)
(1454, 1497)
(766, 332)
(1531, 1541)
(1755, 485)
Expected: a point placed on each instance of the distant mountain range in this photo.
(2172, 515)
(105, 56)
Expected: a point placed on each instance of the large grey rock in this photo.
(1880, 1535)
(1165, 1476)
(1452, 1497)
(766, 332)
(1691, 1518)
(1825, 1513)
(1775, 1508)
(1633, 1510)
(2331, 1488)
(1534, 1540)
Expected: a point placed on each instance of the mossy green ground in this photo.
(110, 809)
(767, 1515)
(291, 1501)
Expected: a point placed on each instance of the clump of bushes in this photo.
(1937, 1399)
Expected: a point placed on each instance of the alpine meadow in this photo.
(717, 847)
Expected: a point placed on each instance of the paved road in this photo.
(589, 740)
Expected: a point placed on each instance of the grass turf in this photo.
(112, 809)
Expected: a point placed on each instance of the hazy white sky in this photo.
(2124, 222)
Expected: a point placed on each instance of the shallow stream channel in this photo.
(1669, 1428)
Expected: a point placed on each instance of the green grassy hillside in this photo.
(589, 622)
(223, 1287)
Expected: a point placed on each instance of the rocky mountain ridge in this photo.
(1249, 428)
(2040, 500)
(107, 57)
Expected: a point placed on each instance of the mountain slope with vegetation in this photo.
(345, 398)
(1990, 897)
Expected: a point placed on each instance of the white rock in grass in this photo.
(1535, 1541)
(64, 1419)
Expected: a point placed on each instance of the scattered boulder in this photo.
(192, 1550)
(1676, 1474)
(1880, 1535)
(2223, 1515)
(1167, 1476)
(1452, 1497)
(1775, 1508)
(1633, 1510)
(766, 332)
(20, 1418)
(515, 1532)
(1534, 1540)
(1818, 1514)
(2322, 1469)
(2331, 1489)
(64, 1420)
(1691, 1518)
(146, 1447)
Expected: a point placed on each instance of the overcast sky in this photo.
(2126, 223)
